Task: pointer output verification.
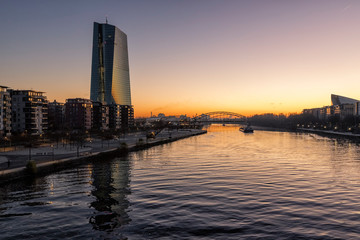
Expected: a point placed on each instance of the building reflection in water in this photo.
(111, 187)
(32, 188)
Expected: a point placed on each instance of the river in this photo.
(222, 185)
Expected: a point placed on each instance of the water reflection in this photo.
(222, 185)
(30, 189)
(221, 128)
(111, 182)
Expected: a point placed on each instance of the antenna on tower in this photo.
(106, 20)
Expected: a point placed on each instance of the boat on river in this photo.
(247, 129)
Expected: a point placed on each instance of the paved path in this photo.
(330, 132)
(19, 158)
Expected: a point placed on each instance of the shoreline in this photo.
(51, 166)
(273, 129)
(347, 135)
(329, 133)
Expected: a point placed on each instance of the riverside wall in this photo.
(51, 166)
(330, 133)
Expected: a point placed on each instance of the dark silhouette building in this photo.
(56, 116)
(100, 116)
(29, 112)
(5, 112)
(78, 114)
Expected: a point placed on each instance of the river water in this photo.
(222, 185)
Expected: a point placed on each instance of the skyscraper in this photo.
(110, 80)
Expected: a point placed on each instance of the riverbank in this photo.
(52, 159)
(331, 133)
(274, 129)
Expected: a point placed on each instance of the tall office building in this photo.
(110, 80)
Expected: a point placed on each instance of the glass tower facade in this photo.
(110, 79)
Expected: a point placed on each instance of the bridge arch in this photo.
(221, 116)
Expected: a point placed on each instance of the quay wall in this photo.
(330, 133)
(48, 167)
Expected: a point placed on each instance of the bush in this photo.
(123, 146)
(140, 142)
(31, 167)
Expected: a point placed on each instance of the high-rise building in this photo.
(29, 112)
(110, 80)
(115, 117)
(78, 114)
(127, 117)
(5, 112)
(338, 100)
(100, 116)
(56, 116)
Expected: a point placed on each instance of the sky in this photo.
(190, 56)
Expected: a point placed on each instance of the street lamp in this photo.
(29, 151)
(5, 140)
(52, 146)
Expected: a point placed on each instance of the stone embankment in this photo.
(52, 159)
(331, 133)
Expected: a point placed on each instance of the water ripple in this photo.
(223, 185)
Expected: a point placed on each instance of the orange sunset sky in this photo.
(191, 57)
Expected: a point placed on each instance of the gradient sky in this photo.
(190, 56)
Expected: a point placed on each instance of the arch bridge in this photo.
(221, 117)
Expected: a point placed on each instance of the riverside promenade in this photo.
(349, 135)
(55, 157)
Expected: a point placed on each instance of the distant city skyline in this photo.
(190, 57)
